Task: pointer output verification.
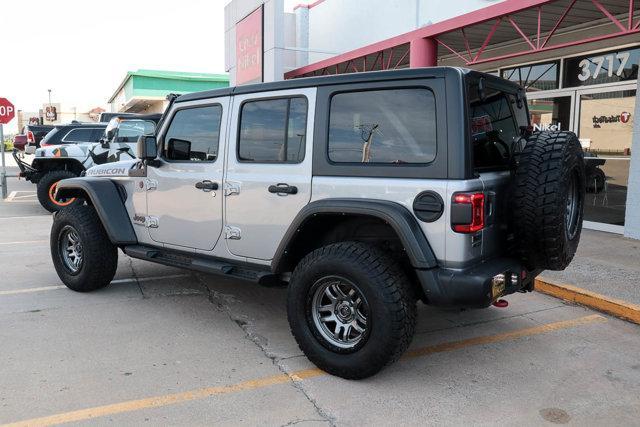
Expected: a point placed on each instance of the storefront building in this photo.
(577, 59)
(145, 91)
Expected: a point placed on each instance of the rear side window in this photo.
(273, 130)
(391, 126)
(493, 126)
(78, 135)
(194, 135)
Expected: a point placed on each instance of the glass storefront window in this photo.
(606, 67)
(550, 114)
(605, 131)
(534, 77)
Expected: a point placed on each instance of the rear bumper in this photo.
(476, 286)
(26, 170)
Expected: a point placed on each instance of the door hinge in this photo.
(231, 187)
(151, 184)
(232, 233)
(151, 222)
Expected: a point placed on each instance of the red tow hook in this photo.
(501, 303)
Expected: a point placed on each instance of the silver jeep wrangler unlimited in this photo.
(362, 192)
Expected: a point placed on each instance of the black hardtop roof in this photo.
(39, 126)
(154, 117)
(81, 124)
(408, 73)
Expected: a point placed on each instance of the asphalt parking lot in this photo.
(166, 346)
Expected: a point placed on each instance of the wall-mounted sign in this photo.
(547, 127)
(623, 117)
(606, 67)
(249, 48)
(51, 113)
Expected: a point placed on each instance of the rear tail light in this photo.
(30, 137)
(467, 212)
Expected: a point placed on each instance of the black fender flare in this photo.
(108, 202)
(396, 215)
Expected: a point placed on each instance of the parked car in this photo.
(365, 192)
(74, 133)
(64, 156)
(19, 142)
(31, 135)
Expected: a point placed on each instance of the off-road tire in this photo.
(385, 287)
(100, 256)
(44, 190)
(547, 165)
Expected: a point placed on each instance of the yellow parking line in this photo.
(24, 242)
(619, 308)
(54, 287)
(202, 393)
(29, 290)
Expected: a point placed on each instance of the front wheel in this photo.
(351, 309)
(82, 254)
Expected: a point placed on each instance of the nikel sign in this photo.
(249, 48)
(623, 117)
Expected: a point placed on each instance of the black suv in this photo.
(74, 133)
(35, 134)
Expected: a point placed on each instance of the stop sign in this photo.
(7, 111)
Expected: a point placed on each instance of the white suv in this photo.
(363, 193)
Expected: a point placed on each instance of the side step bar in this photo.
(262, 276)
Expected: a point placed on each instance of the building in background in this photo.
(145, 91)
(577, 59)
(54, 114)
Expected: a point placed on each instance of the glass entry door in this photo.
(551, 113)
(604, 124)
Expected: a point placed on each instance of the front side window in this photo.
(391, 126)
(194, 134)
(273, 130)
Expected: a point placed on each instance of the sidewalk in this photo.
(607, 264)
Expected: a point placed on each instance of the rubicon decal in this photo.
(107, 172)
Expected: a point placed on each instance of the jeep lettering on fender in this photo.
(361, 192)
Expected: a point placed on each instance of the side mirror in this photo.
(147, 147)
(109, 134)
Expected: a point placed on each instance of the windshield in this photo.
(130, 130)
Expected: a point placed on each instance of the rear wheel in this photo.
(82, 254)
(549, 199)
(46, 190)
(351, 309)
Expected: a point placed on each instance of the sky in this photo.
(82, 50)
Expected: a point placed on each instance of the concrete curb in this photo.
(615, 307)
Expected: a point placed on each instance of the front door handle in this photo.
(206, 185)
(283, 189)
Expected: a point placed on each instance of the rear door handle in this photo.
(283, 189)
(206, 185)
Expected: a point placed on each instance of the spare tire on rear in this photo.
(548, 198)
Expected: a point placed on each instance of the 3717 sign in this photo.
(7, 111)
(610, 64)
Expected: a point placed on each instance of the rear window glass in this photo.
(391, 126)
(493, 127)
(78, 135)
(51, 137)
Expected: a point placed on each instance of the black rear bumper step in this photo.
(203, 263)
